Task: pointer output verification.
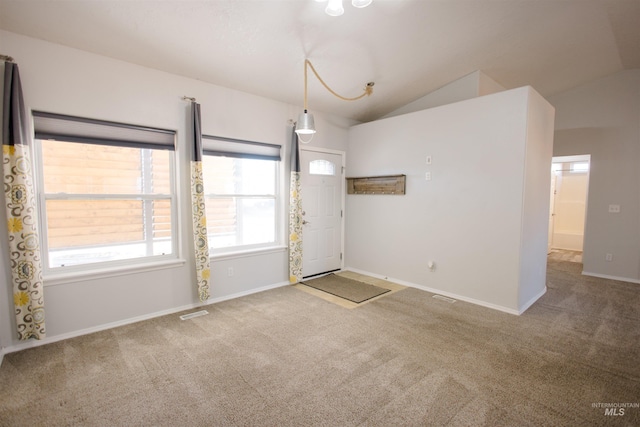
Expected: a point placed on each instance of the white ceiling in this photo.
(407, 47)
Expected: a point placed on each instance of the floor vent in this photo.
(194, 314)
(447, 299)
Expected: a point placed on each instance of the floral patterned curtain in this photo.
(22, 221)
(203, 267)
(295, 213)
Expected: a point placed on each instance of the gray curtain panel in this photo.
(199, 214)
(20, 205)
(295, 213)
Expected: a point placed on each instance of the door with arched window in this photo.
(322, 204)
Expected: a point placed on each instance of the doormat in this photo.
(348, 289)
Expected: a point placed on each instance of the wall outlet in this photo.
(230, 271)
(427, 176)
(608, 257)
(614, 208)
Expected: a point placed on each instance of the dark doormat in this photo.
(348, 289)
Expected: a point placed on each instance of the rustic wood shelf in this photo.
(388, 184)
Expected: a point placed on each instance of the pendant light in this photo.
(305, 124)
(335, 8)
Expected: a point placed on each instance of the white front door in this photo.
(322, 195)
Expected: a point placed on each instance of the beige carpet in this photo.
(343, 287)
(287, 358)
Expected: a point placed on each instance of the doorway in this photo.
(322, 182)
(568, 207)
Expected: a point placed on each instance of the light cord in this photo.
(368, 90)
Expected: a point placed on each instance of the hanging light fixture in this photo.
(305, 124)
(334, 7)
(361, 3)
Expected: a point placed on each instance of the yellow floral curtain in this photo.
(200, 240)
(295, 213)
(22, 221)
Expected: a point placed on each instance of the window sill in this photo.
(247, 253)
(81, 276)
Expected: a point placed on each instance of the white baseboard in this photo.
(447, 294)
(605, 276)
(245, 293)
(36, 343)
(529, 303)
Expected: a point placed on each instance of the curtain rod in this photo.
(6, 58)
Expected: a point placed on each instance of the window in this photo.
(574, 167)
(580, 167)
(242, 193)
(321, 167)
(105, 190)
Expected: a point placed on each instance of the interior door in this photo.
(322, 195)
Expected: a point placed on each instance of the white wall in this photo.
(602, 118)
(68, 81)
(478, 218)
(470, 86)
(535, 192)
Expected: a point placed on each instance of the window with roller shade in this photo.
(241, 183)
(106, 192)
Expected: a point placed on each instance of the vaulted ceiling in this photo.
(407, 47)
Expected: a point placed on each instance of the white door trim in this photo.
(579, 158)
(343, 156)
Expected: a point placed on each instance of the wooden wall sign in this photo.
(388, 184)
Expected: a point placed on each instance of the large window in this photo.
(105, 190)
(242, 198)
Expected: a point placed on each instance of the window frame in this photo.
(77, 272)
(217, 146)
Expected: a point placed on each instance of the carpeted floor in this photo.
(287, 358)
